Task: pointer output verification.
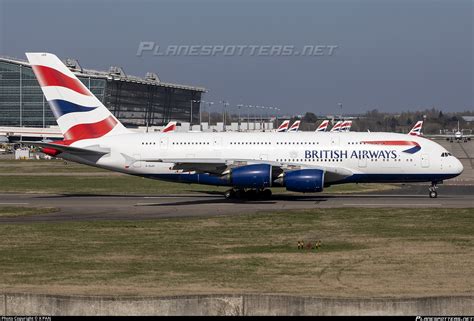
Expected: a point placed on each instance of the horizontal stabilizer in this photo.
(50, 147)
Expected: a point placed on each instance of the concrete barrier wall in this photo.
(38, 304)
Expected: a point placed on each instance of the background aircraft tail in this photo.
(337, 127)
(170, 127)
(296, 125)
(416, 130)
(284, 126)
(79, 114)
(323, 127)
(346, 126)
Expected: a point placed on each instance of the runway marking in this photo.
(385, 204)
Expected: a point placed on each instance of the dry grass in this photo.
(365, 253)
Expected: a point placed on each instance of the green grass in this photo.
(246, 253)
(81, 179)
(24, 211)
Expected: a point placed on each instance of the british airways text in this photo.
(359, 154)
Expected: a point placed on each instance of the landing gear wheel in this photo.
(251, 194)
(267, 194)
(230, 194)
(433, 190)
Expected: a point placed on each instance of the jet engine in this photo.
(251, 176)
(304, 180)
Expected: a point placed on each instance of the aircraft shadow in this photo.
(221, 200)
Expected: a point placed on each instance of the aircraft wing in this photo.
(222, 166)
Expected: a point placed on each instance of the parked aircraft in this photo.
(295, 127)
(456, 135)
(323, 126)
(346, 126)
(336, 127)
(170, 127)
(416, 130)
(283, 127)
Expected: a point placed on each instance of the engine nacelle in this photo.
(251, 176)
(304, 180)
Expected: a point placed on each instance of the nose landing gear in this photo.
(433, 190)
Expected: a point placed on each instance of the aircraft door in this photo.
(362, 162)
(425, 161)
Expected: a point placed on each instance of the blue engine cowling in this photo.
(251, 176)
(304, 180)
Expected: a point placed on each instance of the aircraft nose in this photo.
(458, 166)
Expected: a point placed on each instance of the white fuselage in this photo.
(389, 159)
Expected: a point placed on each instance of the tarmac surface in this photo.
(122, 207)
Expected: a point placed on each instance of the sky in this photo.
(393, 55)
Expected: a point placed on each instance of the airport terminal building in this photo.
(134, 101)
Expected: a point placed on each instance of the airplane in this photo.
(456, 135)
(416, 130)
(248, 163)
(346, 126)
(323, 126)
(170, 127)
(283, 127)
(336, 127)
(295, 127)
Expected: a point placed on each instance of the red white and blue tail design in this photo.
(337, 127)
(79, 114)
(284, 126)
(294, 128)
(323, 127)
(346, 126)
(170, 127)
(416, 130)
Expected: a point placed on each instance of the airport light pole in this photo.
(248, 116)
(261, 115)
(277, 112)
(208, 103)
(224, 104)
(195, 101)
(239, 106)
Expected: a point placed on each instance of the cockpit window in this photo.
(446, 154)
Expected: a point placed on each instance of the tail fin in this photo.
(323, 127)
(295, 126)
(284, 126)
(79, 114)
(346, 126)
(171, 127)
(416, 130)
(337, 127)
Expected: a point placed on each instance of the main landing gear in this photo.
(248, 194)
(433, 190)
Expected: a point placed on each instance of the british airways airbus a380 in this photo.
(300, 162)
